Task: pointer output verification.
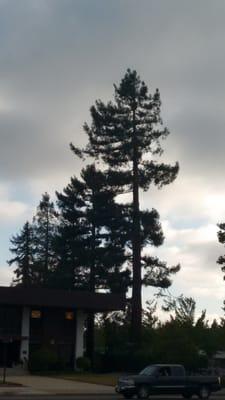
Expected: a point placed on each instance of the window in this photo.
(36, 314)
(164, 371)
(69, 315)
(178, 371)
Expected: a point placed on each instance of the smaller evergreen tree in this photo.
(183, 309)
(22, 249)
(91, 238)
(44, 226)
(71, 270)
(150, 318)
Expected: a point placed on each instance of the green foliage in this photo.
(44, 227)
(174, 344)
(127, 360)
(221, 239)
(32, 247)
(149, 314)
(95, 242)
(90, 242)
(83, 364)
(185, 340)
(125, 134)
(43, 360)
(183, 309)
(111, 133)
(23, 248)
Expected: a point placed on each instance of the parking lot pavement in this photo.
(46, 387)
(52, 386)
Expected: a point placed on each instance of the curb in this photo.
(85, 395)
(57, 394)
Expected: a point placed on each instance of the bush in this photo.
(98, 362)
(44, 359)
(83, 363)
(127, 359)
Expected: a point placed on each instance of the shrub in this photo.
(98, 362)
(83, 363)
(44, 359)
(123, 360)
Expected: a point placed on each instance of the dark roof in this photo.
(41, 297)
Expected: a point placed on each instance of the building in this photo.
(33, 317)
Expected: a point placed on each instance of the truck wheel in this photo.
(143, 392)
(204, 392)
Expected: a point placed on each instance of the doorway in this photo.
(9, 353)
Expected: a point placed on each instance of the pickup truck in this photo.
(167, 379)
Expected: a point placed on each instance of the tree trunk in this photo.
(90, 343)
(26, 270)
(136, 314)
(46, 261)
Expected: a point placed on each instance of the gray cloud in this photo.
(57, 57)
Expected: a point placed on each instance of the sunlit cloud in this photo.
(6, 275)
(12, 209)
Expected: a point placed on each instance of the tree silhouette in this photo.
(88, 209)
(44, 226)
(22, 248)
(125, 135)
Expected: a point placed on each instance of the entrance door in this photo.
(10, 352)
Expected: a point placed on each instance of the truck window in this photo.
(178, 371)
(165, 371)
(150, 370)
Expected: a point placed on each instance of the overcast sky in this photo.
(58, 56)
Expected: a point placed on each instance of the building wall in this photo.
(30, 328)
(54, 329)
(52, 325)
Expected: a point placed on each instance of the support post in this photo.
(25, 333)
(4, 361)
(79, 344)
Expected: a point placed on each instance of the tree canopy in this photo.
(125, 135)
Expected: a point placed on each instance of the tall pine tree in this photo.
(125, 134)
(105, 247)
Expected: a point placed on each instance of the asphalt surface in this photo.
(57, 397)
(97, 397)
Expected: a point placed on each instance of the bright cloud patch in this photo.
(197, 250)
(11, 209)
(215, 205)
(6, 276)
